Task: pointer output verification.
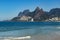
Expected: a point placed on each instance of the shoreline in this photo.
(51, 36)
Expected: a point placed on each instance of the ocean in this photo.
(30, 30)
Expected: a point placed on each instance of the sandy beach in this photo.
(51, 36)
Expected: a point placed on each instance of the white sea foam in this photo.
(15, 38)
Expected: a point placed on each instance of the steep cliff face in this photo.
(38, 13)
(55, 12)
(20, 14)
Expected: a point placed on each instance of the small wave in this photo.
(15, 38)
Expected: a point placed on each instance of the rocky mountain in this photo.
(25, 12)
(38, 14)
(55, 12)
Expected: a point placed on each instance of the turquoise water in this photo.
(17, 29)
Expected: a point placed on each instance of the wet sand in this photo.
(51, 36)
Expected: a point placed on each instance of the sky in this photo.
(11, 8)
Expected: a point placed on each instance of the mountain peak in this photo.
(37, 8)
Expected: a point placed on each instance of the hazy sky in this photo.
(11, 8)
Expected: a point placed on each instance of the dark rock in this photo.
(20, 14)
(25, 12)
(37, 14)
(54, 12)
